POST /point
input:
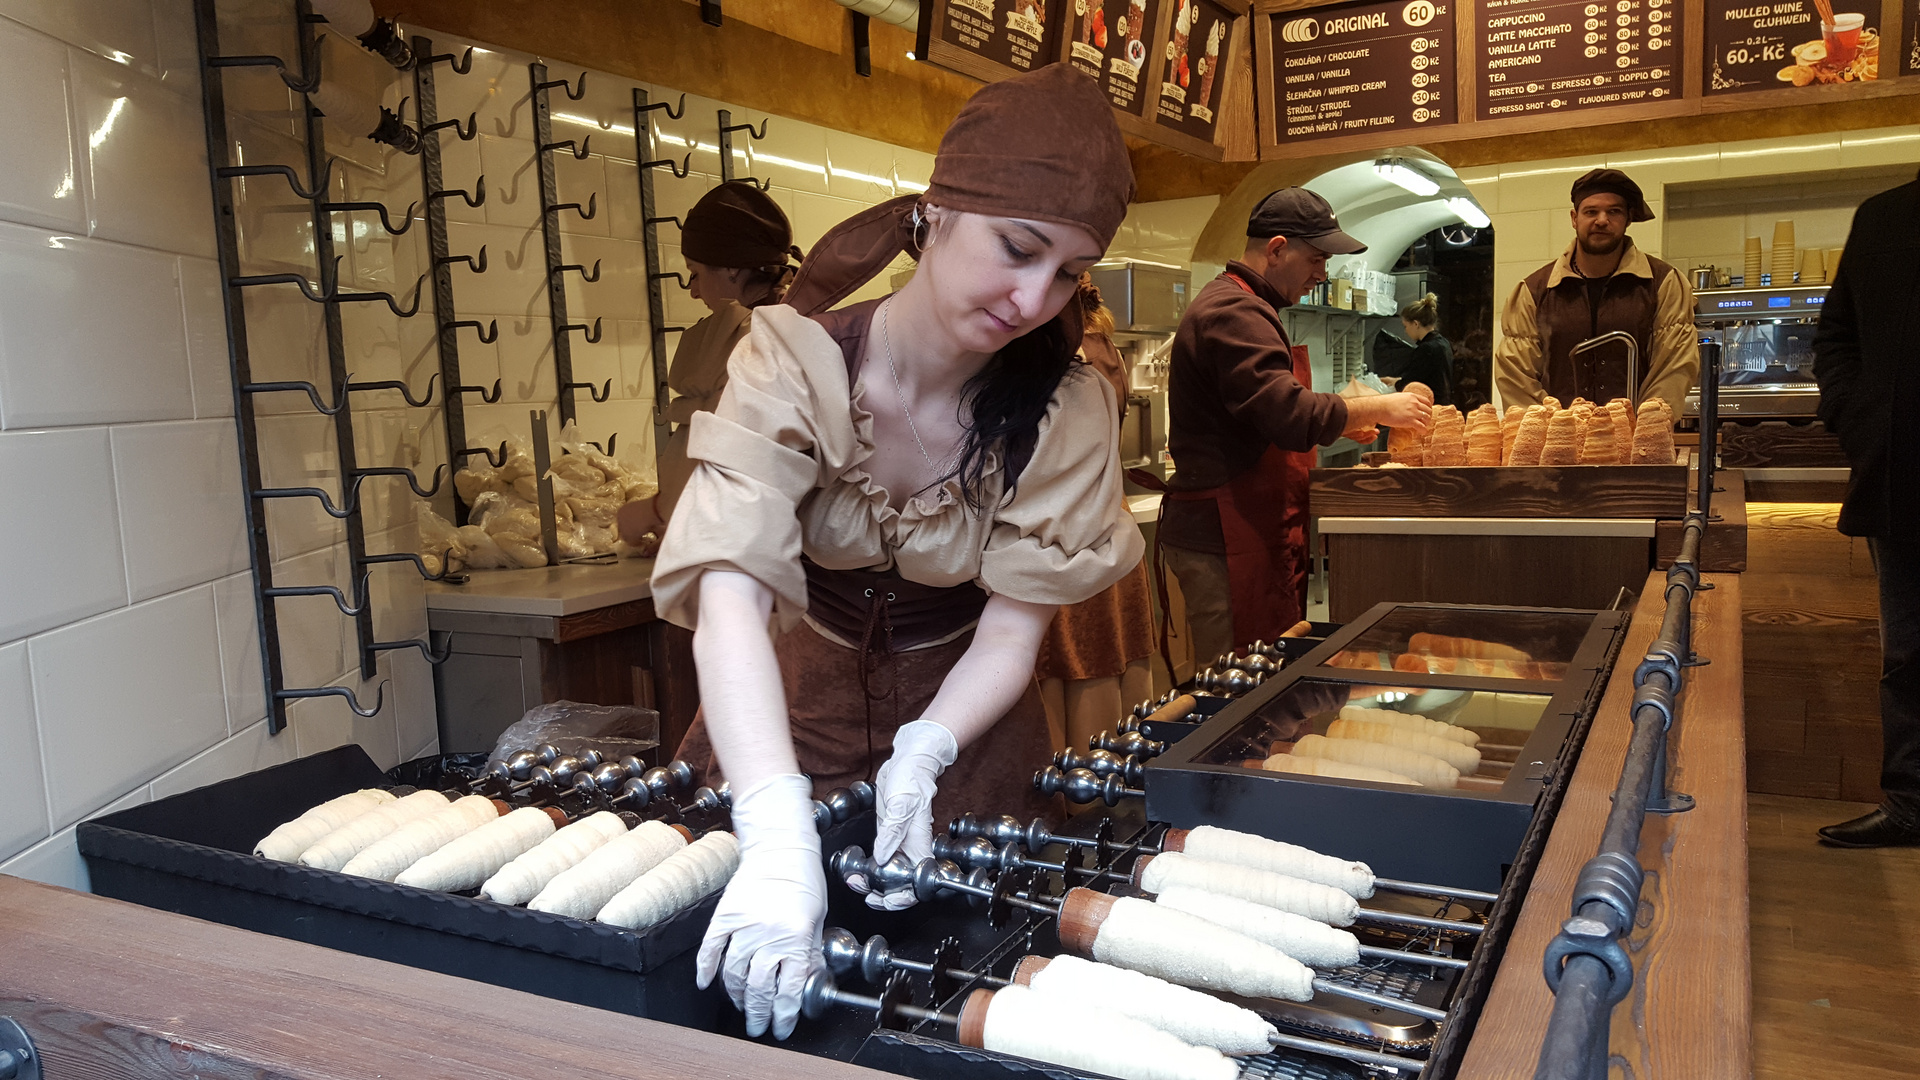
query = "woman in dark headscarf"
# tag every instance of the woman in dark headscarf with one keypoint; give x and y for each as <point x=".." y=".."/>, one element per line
<point x="737" y="242"/>
<point x="906" y="489"/>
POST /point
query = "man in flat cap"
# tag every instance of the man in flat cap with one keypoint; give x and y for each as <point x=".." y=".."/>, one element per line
<point x="1602" y="283"/>
<point x="1243" y="425"/>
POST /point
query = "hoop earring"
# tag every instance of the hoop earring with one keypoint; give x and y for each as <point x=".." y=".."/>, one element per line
<point x="922" y="228"/>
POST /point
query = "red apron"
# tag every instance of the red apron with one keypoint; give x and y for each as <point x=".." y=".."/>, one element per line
<point x="1263" y="519"/>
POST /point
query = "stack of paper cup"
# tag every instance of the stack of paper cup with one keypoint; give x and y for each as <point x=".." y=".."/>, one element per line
<point x="1813" y="267"/>
<point x="1753" y="262"/>
<point x="1833" y="262"/>
<point x="1783" y="258"/>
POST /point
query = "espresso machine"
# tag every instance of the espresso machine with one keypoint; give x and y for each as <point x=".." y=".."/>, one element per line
<point x="1766" y="349"/>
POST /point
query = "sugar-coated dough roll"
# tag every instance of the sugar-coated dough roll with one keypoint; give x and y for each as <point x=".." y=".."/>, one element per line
<point x="1531" y="439"/>
<point x="1459" y="755"/>
<point x="1309" y="898"/>
<point x="1447" y="439"/>
<point x="1429" y="770"/>
<point x="522" y="879"/>
<point x="1085" y="1037"/>
<point x="682" y="880"/>
<point x="1622" y="413"/>
<point x="1411" y="722"/>
<point x="1310" y="766"/>
<point x="1309" y="941"/>
<point x="285" y="843"/>
<point x="1563" y="439"/>
<point x="1191" y="951"/>
<point x="1483" y="437"/>
<point x="1406" y="446"/>
<point x="332" y="851"/>
<point x="472" y="859"/>
<point x="1245" y="849"/>
<point x="1185" y="1013"/>
<point x="385" y="858"/>
<point x="580" y="892"/>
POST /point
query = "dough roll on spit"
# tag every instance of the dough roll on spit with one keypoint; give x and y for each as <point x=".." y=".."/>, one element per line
<point x="423" y="836"/>
<point x="1309" y="941"/>
<point x="285" y="843"/>
<point x="335" y="849"/>
<point x="1410" y="722"/>
<point x="1462" y="757"/>
<point x="580" y="892"/>
<point x="682" y="880"/>
<point x="1531" y="438"/>
<point x="1245" y="849"/>
<point x="522" y="879"/>
<point x="1158" y="873"/>
<point x="1430" y="771"/>
<point x="477" y="856"/>
<point x="1021" y="1021"/>
<point x="1184" y="1013"/>
<point x="1307" y="766"/>
<point x="1563" y="439"/>
<point x="1143" y="936"/>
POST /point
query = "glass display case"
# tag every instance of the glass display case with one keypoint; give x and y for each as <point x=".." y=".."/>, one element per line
<point x="1420" y="738"/>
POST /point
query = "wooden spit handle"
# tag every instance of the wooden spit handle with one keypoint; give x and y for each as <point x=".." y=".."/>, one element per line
<point x="1299" y="629"/>
<point x="500" y="808"/>
<point x="558" y="815"/>
<point x="1028" y="967"/>
<point x="683" y="831"/>
<point x="973" y="1019"/>
<point x="1174" y="710"/>
<point x="1140" y="868"/>
<point x="1175" y="840"/>
<point x="1081" y="914"/>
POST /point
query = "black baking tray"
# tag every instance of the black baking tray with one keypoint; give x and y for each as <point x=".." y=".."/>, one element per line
<point x="191" y="854"/>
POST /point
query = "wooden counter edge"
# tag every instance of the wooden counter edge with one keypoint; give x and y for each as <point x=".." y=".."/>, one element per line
<point x="1690" y="1013"/>
<point x="108" y="989"/>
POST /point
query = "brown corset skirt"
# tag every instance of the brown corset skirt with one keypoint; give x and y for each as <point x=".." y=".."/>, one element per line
<point x="829" y="712"/>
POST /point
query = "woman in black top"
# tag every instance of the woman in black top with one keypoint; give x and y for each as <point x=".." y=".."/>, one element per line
<point x="1431" y="358"/>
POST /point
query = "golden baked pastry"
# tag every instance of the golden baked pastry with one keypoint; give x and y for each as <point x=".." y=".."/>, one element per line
<point x="1420" y="390"/>
<point x="1599" y="446"/>
<point x="1551" y="402"/>
<point x="1509" y="428"/>
<point x="1531" y="437"/>
<point x="1406" y="446"/>
<point x="1483" y="437"/>
<point x="1622" y="411"/>
<point x="1447" y="443"/>
<point x="1653" y="434"/>
<point x="1563" y="439"/>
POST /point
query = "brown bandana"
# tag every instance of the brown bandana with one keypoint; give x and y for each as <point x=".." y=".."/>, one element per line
<point x="1042" y="146"/>
<point x="737" y="225"/>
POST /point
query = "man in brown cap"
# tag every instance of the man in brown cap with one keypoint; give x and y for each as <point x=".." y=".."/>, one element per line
<point x="1243" y="427"/>
<point x="1601" y="284"/>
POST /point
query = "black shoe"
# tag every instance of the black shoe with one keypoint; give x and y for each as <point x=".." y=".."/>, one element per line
<point x="1875" y="830"/>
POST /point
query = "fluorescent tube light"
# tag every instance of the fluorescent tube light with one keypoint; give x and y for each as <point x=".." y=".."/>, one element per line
<point x="1412" y="179"/>
<point x="1469" y="211"/>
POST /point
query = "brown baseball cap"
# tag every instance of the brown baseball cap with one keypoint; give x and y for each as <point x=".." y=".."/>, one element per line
<point x="1613" y="182"/>
<point x="1299" y="214"/>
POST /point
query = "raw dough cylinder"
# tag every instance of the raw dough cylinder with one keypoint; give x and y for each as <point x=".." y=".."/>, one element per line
<point x="682" y="880"/>
<point x="1429" y="770"/>
<point x="1245" y="849"/>
<point x="1309" y="941"/>
<point x="285" y="843"/>
<point x="477" y="856"/>
<point x="334" y="850"/>
<point x="1309" y="766"/>
<point x="1459" y="755"/>
<point x="1185" y="1013"/>
<point x="581" y="892"/>
<point x="1325" y="903"/>
<point x="1410" y="722"/>
<point x="421" y="837"/>
<point x="522" y="879"/>
<point x="1132" y="933"/>
<point x="1026" y="1023"/>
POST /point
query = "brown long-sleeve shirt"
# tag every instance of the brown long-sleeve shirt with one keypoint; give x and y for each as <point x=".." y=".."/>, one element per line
<point x="1231" y="394"/>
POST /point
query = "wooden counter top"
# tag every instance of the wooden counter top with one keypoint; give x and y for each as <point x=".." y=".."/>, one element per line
<point x="550" y="591"/>
<point x="1690" y="1013"/>
<point x="109" y="990"/>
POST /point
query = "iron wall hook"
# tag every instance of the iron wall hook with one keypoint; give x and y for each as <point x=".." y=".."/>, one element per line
<point x="460" y="67"/>
<point x="312" y="392"/>
<point x="669" y="219"/>
<point x="387" y="298"/>
<point x="572" y="94"/>
<point x="674" y="112"/>
<point x="612" y="440"/>
<point x="487" y="337"/>
<point x="297" y="280"/>
<point x="679" y="172"/>
<point x="425" y="649"/>
<point x="484" y="396"/>
<point x="310" y="59"/>
<point x="404" y="556"/>
<point x="600" y="395"/>
<point x="592" y="335"/>
<point x="439" y="476"/>
<point x="494" y="458"/>
<point x="466" y="134"/>
<point x="585" y="275"/>
<point x="405" y="392"/>
<point x="579" y="150"/>
<point x="350" y="501"/>
<point x="477" y="265"/>
<point x="381" y="208"/>
<point x="593" y="207"/>
<point x="675" y="275"/>
<point x="379" y="700"/>
<point x="475" y="200"/>
<point x="360" y="594"/>
<point x="293" y="178"/>
<point x="748" y="128"/>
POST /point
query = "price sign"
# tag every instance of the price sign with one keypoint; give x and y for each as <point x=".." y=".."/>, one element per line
<point x="1112" y="42"/>
<point x="992" y="39"/>
<point x="1351" y="69"/>
<point x="1190" y="67"/>
<point x="1547" y="56"/>
<point x="1766" y="46"/>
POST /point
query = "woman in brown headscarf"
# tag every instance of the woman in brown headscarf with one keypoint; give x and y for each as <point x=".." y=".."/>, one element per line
<point x="905" y="490"/>
<point x="736" y="241"/>
<point x="1095" y="656"/>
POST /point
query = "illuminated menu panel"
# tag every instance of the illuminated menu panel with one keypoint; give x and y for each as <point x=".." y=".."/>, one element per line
<point x="1547" y="56"/>
<point x="1111" y="42"/>
<point x="1189" y="70"/>
<point x="1351" y="69"/>
<point x="1784" y="43"/>
<point x="1009" y="36"/>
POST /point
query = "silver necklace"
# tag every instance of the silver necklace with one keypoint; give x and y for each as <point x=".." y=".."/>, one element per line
<point x="886" y="342"/>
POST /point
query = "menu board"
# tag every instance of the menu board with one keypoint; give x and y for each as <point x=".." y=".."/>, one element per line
<point x="1910" y="56"/>
<point x="992" y="39"/>
<point x="1544" y="56"/>
<point x="1189" y="68"/>
<point x="1111" y="41"/>
<point x="1357" y="68"/>
<point x="1755" y="46"/>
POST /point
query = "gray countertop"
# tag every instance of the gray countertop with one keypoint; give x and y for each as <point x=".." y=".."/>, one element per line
<point x="548" y="590"/>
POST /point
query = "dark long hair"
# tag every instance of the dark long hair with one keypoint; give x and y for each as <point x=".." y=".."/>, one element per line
<point x="1004" y="403"/>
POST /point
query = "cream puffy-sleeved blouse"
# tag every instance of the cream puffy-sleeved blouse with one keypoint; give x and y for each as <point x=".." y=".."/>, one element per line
<point x="779" y="471"/>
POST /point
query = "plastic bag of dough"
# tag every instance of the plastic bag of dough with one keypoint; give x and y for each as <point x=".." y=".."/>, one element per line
<point x="597" y="513"/>
<point x="519" y="460"/>
<point x="575" y="470"/>
<point x="483" y="552"/>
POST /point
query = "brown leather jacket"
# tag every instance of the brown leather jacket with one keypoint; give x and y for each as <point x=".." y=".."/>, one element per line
<point x="1551" y="311"/>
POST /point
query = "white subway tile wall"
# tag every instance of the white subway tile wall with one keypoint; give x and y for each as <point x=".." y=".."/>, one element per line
<point x="129" y="657"/>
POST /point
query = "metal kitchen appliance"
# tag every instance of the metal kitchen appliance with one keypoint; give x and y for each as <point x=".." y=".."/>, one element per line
<point x="1766" y="340"/>
<point x="1147" y="300"/>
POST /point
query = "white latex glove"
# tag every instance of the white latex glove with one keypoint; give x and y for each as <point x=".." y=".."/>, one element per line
<point x="903" y="801"/>
<point x="764" y="939"/>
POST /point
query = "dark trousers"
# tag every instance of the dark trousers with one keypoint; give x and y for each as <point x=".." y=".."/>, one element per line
<point x="1898" y="565"/>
